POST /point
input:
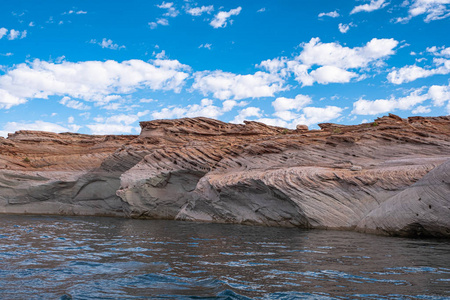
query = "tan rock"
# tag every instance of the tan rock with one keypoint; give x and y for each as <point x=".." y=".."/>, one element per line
<point x="343" y="177"/>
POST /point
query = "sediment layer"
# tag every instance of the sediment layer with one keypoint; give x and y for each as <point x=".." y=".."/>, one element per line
<point x="390" y="177"/>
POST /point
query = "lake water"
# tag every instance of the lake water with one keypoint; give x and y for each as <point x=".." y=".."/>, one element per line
<point x="45" y="257"/>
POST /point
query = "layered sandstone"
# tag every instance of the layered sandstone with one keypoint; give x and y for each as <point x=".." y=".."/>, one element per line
<point x="389" y="177"/>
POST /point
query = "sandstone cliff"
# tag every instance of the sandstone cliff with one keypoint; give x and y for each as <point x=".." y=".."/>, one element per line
<point x="388" y="177"/>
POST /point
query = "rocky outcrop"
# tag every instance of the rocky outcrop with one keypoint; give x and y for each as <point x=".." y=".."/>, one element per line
<point x="387" y="177"/>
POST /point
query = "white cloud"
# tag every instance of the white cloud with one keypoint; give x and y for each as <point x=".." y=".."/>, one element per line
<point x="89" y="80"/>
<point x="107" y="43"/>
<point x="117" y="124"/>
<point x="411" y="73"/>
<point x="198" y="11"/>
<point x="7" y="100"/>
<point x="314" y="115"/>
<point x="160" y="21"/>
<point x="332" y="54"/>
<point x="80" y="12"/>
<point x="343" y="28"/>
<point x="367" y="107"/>
<point x="220" y="19"/>
<point x="160" y="55"/>
<point x="70" y="119"/>
<point x="373" y="5"/>
<point x="31" y="24"/>
<point x="331" y="14"/>
<point x="204" y="109"/>
<point x="147" y="100"/>
<point x="171" y="10"/>
<point x="103" y="129"/>
<point x="283" y="104"/>
<point x="246" y="113"/>
<point x="329" y="74"/>
<point x="291" y="112"/>
<point x="433" y="9"/>
<point x="439" y="51"/>
<point x="333" y="60"/>
<point x="263" y="9"/>
<point x="421" y="110"/>
<point x="11" y="127"/>
<point x="3" y="32"/>
<point x="206" y="46"/>
<point x="224" y="85"/>
<point x="439" y="94"/>
<point x="73" y="104"/>
<point x="13" y="34"/>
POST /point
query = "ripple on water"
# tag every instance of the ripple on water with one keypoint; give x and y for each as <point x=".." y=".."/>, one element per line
<point x="91" y="258"/>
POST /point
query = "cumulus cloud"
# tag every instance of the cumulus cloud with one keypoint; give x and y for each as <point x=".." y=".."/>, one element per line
<point x="439" y="51"/>
<point x="221" y="19"/>
<point x="89" y="80"/>
<point x="297" y="103"/>
<point x="332" y="54"/>
<point x="161" y="21"/>
<point x="343" y="28"/>
<point x="315" y="115"/>
<point x="107" y="43"/>
<point x="12" y="127"/>
<point x="331" y="14"/>
<point x="206" y="108"/>
<point x="66" y="101"/>
<point x="329" y="74"/>
<point x="411" y="73"/>
<point x="421" y="110"/>
<point x="247" y="113"/>
<point x="116" y="124"/>
<point x="308" y="116"/>
<point x="439" y="95"/>
<point x="3" y="32"/>
<point x="368" y="7"/>
<point x="7" y="100"/>
<point x="13" y="34"/>
<point x="171" y="11"/>
<point x="432" y="9"/>
<point x="198" y="11"/>
<point x="291" y="112"/>
<point x="224" y="85"/>
<point x="333" y="61"/>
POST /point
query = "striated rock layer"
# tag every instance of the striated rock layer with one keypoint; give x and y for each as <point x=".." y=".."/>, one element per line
<point x="391" y="176"/>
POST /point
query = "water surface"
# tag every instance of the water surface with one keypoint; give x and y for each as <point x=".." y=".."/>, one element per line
<point x="108" y="258"/>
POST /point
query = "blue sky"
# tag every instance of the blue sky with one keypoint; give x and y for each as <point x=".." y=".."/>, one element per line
<point x="100" y="67"/>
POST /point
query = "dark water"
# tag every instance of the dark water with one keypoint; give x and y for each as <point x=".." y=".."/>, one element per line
<point x="107" y="258"/>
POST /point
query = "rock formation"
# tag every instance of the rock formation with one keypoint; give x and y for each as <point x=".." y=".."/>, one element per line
<point x="391" y="176"/>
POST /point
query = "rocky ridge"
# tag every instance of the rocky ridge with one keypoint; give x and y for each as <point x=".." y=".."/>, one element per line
<point x="386" y="177"/>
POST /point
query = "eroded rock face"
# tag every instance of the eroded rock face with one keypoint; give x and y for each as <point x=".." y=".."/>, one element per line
<point x="388" y="177"/>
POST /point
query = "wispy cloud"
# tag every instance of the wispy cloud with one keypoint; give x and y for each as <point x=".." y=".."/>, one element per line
<point x="107" y="43"/>
<point x="368" y="7"/>
<point x="198" y="11"/>
<point x="221" y="19"/>
<point x="331" y="14"/>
